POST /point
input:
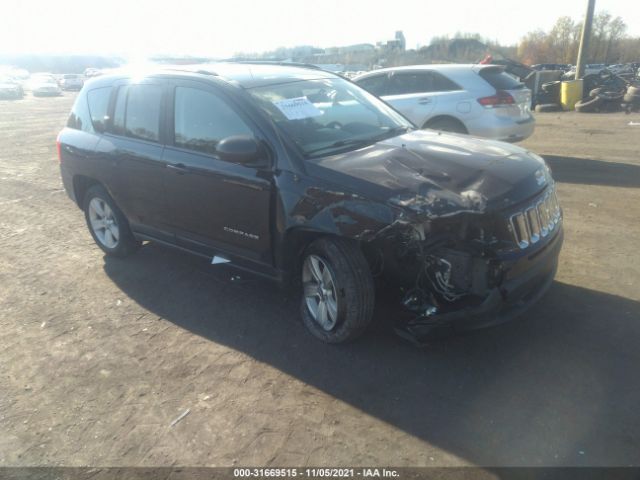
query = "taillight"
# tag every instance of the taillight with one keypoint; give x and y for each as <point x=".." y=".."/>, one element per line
<point x="59" y="148"/>
<point x="501" y="98"/>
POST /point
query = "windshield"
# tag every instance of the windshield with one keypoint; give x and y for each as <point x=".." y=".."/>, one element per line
<point x="329" y="115"/>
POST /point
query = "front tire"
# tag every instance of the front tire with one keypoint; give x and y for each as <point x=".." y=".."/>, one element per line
<point x="107" y="224"/>
<point x="337" y="290"/>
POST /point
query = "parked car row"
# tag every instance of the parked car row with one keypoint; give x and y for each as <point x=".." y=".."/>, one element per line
<point x="591" y="68"/>
<point x="39" y="84"/>
<point x="627" y="70"/>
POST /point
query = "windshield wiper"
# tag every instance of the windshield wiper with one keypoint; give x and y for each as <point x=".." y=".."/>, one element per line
<point x="392" y="132"/>
<point x="343" y="143"/>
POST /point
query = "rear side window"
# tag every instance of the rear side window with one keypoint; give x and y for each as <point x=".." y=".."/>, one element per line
<point x="410" y="82"/>
<point x="137" y="112"/>
<point x="443" y="84"/>
<point x="500" y="80"/>
<point x="420" y="82"/>
<point x="202" y="119"/>
<point x="98" y="100"/>
<point x="376" y="84"/>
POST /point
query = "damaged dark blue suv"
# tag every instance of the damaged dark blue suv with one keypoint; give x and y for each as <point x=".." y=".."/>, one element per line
<point x="301" y="176"/>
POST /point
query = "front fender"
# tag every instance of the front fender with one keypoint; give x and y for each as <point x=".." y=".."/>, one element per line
<point x="307" y="210"/>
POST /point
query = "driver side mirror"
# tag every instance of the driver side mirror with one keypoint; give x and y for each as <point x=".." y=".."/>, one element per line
<point x="244" y="150"/>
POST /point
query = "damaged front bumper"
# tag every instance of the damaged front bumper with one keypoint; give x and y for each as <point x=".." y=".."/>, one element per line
<point x="525" y="281"/>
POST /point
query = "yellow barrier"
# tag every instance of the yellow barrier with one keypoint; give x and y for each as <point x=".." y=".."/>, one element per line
<point x="570" y="93"/>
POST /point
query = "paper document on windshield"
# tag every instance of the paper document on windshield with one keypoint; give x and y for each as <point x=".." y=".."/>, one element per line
<point x="297" y="108"/>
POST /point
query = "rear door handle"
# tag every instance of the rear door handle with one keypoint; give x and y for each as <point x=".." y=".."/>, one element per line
<point x="424" y="100"/>
<point x="179" y="168"/>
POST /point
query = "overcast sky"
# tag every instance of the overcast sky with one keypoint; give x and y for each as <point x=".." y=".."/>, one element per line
<point x="221" y="28"/>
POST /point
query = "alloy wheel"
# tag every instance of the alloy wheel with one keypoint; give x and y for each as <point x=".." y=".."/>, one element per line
<point x="319" y="289"/>
<point x="103" y="223"/>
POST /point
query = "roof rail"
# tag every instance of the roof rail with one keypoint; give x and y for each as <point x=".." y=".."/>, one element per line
<point x="275" y="62"/>
<point x="186" y="68"/>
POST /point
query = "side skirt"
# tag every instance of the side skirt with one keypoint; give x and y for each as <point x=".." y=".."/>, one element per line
<point x="264" y="271"/>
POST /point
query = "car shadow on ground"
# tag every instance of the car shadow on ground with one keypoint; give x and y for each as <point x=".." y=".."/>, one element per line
<point x="555" y="387"/>
<point x="593" y="172"/>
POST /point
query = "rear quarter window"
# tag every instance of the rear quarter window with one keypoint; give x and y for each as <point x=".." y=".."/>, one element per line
<point x="80" y="119"/>
<point x="98" y="101"/>
<point x="500" y="80"/>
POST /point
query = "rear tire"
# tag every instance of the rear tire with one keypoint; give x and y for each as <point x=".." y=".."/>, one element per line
<point x="446" y="125"/>
<point x="591" y="105"/>
<point x="334" y="271"/>
<point x="107" y="224"/>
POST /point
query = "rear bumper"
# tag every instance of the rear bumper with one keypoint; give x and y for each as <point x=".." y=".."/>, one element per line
<point x="505" y="129"/>
<point x="67" y="182"/>
<point x="526" y="280"/>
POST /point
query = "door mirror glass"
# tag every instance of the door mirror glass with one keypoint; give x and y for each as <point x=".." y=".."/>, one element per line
<point x="242" y="149"/>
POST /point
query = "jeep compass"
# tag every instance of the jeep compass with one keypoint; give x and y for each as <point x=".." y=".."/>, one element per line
<point x="301" y="176"/>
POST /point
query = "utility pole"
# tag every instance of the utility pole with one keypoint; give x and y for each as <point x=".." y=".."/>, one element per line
<point x="584" y="40"/>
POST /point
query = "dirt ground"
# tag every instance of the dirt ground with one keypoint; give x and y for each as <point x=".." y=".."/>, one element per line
<point x="99" y="356"/>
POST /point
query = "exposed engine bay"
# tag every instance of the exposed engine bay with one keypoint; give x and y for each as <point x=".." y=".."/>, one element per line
<point x="444" y="269"/>
<point x="435" y="271"/>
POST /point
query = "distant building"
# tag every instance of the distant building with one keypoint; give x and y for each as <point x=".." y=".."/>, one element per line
<point x="358" y="48"/>
<point x="401" y="40"/>
<point x="399" y="43"/>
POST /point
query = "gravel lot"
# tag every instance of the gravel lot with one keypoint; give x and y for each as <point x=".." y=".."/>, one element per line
<point x="99" y="356"/>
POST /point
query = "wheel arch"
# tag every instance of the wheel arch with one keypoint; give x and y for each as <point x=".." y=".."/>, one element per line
<point x="448" y="117"/>
<point x="82" y="183"/>
<point x="295" y="242"/>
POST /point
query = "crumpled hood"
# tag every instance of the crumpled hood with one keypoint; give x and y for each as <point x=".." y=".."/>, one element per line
<point x="440" y="174"/>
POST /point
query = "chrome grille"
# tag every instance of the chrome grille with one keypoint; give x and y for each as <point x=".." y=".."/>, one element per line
<point x="537" y="220"/>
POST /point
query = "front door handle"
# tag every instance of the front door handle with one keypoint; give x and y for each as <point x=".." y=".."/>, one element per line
<point x="179" y="168"/>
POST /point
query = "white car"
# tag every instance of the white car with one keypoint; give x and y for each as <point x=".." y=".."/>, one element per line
<point x="71" y="81"/>
<point x="44" y="84"/>
<point x="481" y="100"/>
<point x="10" y="88"/>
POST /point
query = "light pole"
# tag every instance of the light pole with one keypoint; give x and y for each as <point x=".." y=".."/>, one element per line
<point x="584" y="40"/>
